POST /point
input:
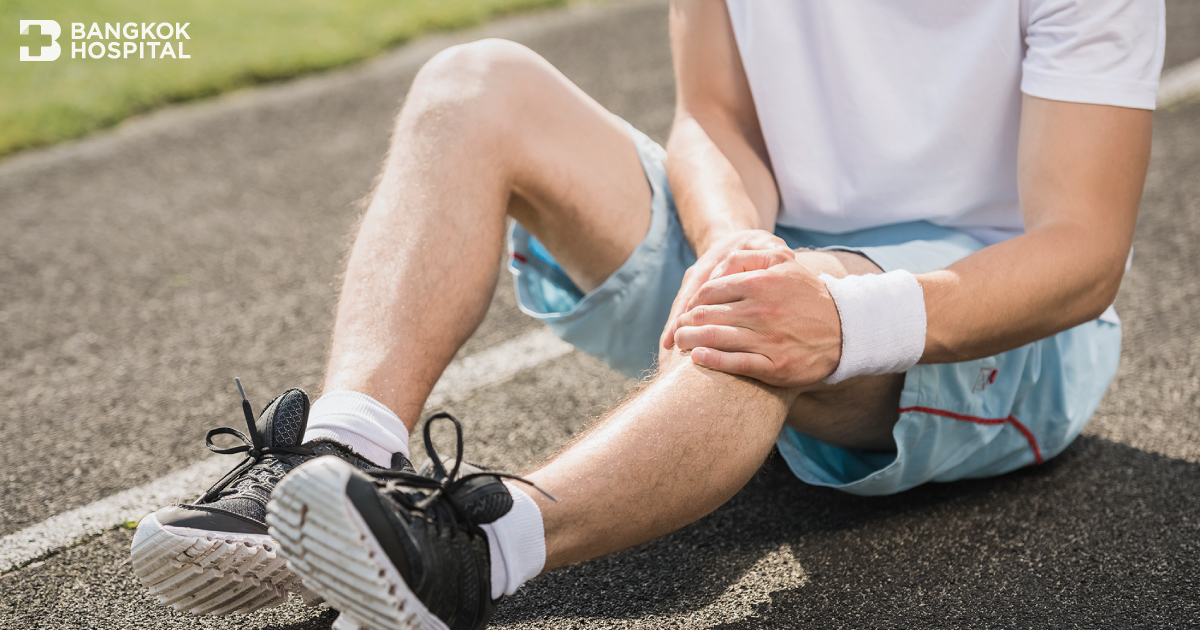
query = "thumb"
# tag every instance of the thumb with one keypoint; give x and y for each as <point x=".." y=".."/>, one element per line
<point x="752" y="260"/>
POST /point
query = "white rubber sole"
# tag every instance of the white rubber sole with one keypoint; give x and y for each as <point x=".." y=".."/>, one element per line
<point x="211" y="573"/>
<point x="327" y="543"/>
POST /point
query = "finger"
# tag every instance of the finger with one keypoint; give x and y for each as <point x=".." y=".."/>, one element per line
<point x="693" y="279"/>
<point x="668" y="333"/>
<point x="740" y="363"/>
<point x="727" y="338"/>
<point x="733" y="288"/>
<point x="715" y="314"/>
<point x="682" y="297"/>
<point x="751" y="260"/>
<point x="677" y="309"/>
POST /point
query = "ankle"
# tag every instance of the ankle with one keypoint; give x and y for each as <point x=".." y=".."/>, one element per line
<point x="516" y="544"/>
<point x="360" y="422"/>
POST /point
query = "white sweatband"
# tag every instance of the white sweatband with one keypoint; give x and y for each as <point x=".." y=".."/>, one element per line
<point x="883" y="323"/>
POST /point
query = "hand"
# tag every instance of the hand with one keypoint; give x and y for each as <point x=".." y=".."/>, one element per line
<point x="702" y="271"/>
<point x="766" y="316"/>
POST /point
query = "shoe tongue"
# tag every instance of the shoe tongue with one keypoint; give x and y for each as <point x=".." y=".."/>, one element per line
<point x="483" y="499"/>
<point x="283" y="422"/>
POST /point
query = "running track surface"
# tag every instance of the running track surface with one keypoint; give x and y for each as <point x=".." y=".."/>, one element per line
<point x="142" y="268"/>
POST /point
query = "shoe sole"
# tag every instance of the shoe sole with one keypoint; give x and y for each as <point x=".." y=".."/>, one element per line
<point x="327" y="542"/>
<point x="212" y="573"/>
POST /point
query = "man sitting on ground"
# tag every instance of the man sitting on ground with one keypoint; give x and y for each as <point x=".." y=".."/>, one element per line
<point x="885" y="236"/>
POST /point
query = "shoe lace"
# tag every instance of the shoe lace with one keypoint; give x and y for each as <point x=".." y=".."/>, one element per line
<point x="422" y="493"/>
<point x="257" y="455"/>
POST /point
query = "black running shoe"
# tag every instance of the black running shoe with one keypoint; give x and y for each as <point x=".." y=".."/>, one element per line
<point x="215" y="556"/>
<point x="393" y="550"/>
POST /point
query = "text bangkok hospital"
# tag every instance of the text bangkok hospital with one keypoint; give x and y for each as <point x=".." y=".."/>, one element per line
<point x="145" y="40"/>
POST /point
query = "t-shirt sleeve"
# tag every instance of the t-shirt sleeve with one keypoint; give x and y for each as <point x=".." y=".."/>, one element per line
<point x="1106" y="52"/>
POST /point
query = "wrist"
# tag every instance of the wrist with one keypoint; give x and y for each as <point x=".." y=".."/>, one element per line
<point x="883" y="323"/>
<point x="712" y="237"/>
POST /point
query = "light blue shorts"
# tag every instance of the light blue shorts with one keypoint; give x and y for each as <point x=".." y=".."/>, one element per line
<point x="957" y="420"/>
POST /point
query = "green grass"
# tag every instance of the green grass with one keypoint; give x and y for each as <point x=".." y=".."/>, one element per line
<point x="233" y="43"/>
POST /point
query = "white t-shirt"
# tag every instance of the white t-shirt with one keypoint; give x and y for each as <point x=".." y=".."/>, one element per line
<point x="887" y="111"/>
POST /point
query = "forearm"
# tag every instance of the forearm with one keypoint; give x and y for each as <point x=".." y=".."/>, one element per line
<point x="1021" y="290"/>
<point x="1081" y="169"/>
<point x="717" y="160"/>
<point x="720" y="184"/>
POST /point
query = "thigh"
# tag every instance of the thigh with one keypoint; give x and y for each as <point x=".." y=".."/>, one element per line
<point x="857" y="413"/>
<point x="578" y="185"/>
<point x="620" y="320"/>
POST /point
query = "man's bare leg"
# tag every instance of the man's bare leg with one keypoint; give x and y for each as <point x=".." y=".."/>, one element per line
<point x="489" y="129"/>
<point x="466" y="152"/>
<point x="691" y="440"/>
<point x="677" y="451"/>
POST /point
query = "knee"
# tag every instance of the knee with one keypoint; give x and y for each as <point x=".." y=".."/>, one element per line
<point x="473" y="87"/>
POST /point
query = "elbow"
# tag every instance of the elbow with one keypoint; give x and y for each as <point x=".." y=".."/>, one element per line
<point x="1103" y="291"/>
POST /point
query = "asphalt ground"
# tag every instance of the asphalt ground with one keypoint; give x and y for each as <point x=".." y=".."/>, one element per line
<point x="142" y="268"/>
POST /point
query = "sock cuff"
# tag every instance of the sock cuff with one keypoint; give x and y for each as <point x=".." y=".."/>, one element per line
<point x="361" y="422"/>
<point x="516" y="544"/>
<point x="526" y="518"/>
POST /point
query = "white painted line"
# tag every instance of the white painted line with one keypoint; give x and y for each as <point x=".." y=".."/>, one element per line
<point x="497" y="363"/>
<point x="68" y="528"/>
<point x="1179" y="84"/>
<point x="491" y="366"/>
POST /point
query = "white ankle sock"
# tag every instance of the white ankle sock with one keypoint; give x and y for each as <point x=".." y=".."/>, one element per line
<point x="516" y="544"/>
<point x="360" y="422"/>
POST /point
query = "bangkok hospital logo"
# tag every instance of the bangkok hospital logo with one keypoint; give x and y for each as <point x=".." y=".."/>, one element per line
<point x="144" y="40"/>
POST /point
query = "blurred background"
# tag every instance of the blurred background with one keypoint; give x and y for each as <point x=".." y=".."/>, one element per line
<point x="233" y="43"/>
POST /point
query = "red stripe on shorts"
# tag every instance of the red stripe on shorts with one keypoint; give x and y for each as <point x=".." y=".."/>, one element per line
<point x="1037" y="452"/>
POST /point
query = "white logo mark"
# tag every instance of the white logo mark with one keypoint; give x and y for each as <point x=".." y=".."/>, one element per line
<point x="46" y="53"/>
